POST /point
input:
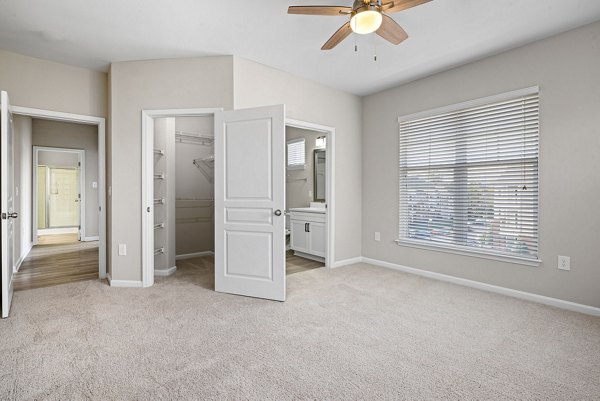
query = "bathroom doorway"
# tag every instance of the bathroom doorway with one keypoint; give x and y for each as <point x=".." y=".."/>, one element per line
<point x="306" y="206"/>
<point x="58" y="196"/>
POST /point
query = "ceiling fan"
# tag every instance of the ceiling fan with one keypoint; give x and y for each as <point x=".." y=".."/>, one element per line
<point x="366" y="16"/>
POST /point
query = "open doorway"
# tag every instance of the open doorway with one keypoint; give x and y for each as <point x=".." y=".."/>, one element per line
<point x="305" y="200"/>
<point x="58" y="195"/>
<point x="62" y="231"/>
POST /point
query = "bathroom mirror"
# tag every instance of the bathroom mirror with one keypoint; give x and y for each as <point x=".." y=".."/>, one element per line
<point x="320" y="176"/>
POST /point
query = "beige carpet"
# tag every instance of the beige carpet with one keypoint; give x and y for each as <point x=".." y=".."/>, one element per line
<point x="356" y="332"/>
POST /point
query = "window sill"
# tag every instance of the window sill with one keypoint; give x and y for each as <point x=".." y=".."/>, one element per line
<point x="469" y="252"/>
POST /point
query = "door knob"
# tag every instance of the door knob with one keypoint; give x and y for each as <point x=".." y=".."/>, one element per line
<point x="277" y="212"/>
<point x="13" y="215"/>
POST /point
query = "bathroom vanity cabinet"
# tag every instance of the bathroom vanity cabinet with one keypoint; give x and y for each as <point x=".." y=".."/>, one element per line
<point x="308" y="228"/>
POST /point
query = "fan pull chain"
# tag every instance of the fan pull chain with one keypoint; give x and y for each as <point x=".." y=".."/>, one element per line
<point x="374" y="53"/>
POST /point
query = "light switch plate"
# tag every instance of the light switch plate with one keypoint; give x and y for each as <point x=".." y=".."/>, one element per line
<point x="377" y="236"/>
<point x="122" y="249"/>
<point x="94" y="184"/>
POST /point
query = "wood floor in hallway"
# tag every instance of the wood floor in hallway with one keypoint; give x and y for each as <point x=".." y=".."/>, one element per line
<point x="52" y="264"/>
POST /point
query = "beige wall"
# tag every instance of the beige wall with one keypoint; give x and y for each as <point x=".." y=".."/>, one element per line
<point x="75" y="136"/>
<point x="297" y="191"/>
<point x="158" y="84"/>
<point x="259" y="85"/>
<point x="566" y="67"/>
<point x="22" y="183"/>
<point x="47" y="85"/>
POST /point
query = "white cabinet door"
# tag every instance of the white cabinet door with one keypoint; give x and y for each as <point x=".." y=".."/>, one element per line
<point x="298" y="236"/>
<point x="7" y="200"/>
<point x="317" y="238"/>
<point x="249" y="200"/>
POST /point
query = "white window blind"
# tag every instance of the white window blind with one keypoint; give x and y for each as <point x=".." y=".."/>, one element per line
<point x="469" y="177"/>
<point x="296" y="157"/>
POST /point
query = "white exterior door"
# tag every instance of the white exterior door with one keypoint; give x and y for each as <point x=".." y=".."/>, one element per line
<point x="249" y="202"/>
<point x="7" y="199"/>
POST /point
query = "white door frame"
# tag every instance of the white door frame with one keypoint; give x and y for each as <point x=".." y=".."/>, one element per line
<point x="101" y="124"/>
<point x="148" y="117"/>
<point x="81" y="158"/>
<point x="330" y="181"/>
<point x="147" y="209"/>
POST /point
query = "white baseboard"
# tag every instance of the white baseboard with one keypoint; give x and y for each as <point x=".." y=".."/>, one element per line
<point x="347" y="262"/>
<point x="558" y="303"/>
<point x="193" y="255"/>
<point x="89" y="239"/>
<point x="309" y="256"/>
<point x="165" y="272"/>
<point x="123" y="283"/>
<point x="52" y="231"/>
<point x="22" y="258"/>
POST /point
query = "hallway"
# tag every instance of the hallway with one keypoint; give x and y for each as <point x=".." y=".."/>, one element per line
<point x="58" y="259"/>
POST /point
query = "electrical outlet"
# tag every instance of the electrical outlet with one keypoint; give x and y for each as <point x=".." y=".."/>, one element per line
<point x="122" y="249"/>
<point x="564" y="262"/>
<point x="94" y="184"/>
<point x="377" y="236"/>
<point x="310" y="194"/>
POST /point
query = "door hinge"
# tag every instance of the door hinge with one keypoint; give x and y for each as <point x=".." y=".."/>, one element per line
<point x="4" y="216"/>
<point x="79" y="164"/>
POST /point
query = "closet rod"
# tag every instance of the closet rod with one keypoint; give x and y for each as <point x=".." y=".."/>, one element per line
<point x="159" y="152"/>
<point x="159" y="201"/>
<point x="194" y="135"/>
<point x="159" y="250"/>
<point x="297" y="179"/>
<point x="159" y="176"/>
<point x="159" y="225"/>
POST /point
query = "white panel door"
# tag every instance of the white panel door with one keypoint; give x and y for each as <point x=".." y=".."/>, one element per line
<point x="7" y="199"/>
<point x="249" y="200"/>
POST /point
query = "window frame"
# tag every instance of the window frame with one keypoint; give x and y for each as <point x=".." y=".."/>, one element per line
<point x="287" y="154"/>
<point x="463" y="249"/>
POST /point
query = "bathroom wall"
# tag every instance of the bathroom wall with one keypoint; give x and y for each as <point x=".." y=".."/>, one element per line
<point x="299" y="192"/>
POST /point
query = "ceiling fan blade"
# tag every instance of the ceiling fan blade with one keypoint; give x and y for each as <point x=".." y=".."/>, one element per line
<point x="391" y="31"/>
<point x="338" y="36"/>
<point x="401" y="5"/>
<point x="319" y="10"/>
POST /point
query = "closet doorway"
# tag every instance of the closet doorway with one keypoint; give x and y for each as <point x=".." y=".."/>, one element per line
<point x="178" y="164"/>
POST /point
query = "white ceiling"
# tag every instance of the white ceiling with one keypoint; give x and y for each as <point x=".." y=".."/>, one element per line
<point x="443" y="34"/>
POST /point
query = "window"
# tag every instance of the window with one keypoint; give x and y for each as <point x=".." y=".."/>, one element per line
<point x="469" y="177"/>
<point x="296" y="158"/>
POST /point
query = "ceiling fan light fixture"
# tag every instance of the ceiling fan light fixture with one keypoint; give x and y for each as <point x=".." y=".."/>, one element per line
<point x="366" y="21"/>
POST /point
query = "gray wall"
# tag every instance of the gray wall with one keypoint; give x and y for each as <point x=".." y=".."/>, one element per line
<point x="57" y="159"/>
<point x="22" y="182"/>
<point x="43" y="84"/>
<point x="134" y="86"/>
<point x="297" y="191"/>
<point x="259" y="85"/>
<point x="566" y="67"/>
<point x="75" y="136"/>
